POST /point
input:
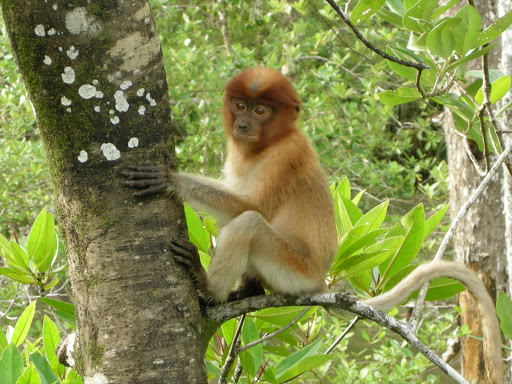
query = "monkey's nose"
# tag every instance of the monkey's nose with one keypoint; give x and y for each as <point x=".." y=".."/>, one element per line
<point x="243" y="126"/>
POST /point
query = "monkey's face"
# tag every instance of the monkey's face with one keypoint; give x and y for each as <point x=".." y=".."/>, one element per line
<point x="249" y="118"/>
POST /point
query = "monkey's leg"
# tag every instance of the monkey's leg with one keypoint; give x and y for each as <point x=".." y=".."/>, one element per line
<point x="249" y="244"/>
<point x="249" y="287"/>
<point x="150" y="179"/>
<point x="186" y="254"/>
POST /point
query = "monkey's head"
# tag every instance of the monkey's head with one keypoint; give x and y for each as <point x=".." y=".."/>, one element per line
<point x="260" y="107"/>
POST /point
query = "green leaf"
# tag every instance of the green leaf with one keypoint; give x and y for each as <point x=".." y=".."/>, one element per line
<point x="283" y="315"/>
<point x="473" y="55"/>
<point x="343" y="188"/>
<point x="251" y="359"/>
<point x="499" y="89"/>
<point x="63" y="310"/>
<point x="441" y="289"/>
<point x="42" y="241"/>
<point x="441" y="40"/>
<point x="417" y="16"/>
<point x="11" y="365"/>
<point x="433" y="221"/>
<point x="364" y="9"/>
<point x="19" y="256"/>
<point x="300" y="361"/>
<point x="504" y="310"/>
<point x="467" y="31"/>
<point x="495" y="29"/>
<point x="51" y="338"/>
<point x="43" y="368"/>
<point x="390" y="17"/>
<point x="3" y="340"/>
<point x="29" y="376"/>
<point x="346" y="213"/>
<point x="372" y="256"/>
<point x="439" y="11"/>
<point x="399" y="96"/>
<point x="23" y="278"/>
<point x="23" y="324"/>
<point x="413" y="223"/>
<point x="197" y="234"/>
<point x="374" y="217"/>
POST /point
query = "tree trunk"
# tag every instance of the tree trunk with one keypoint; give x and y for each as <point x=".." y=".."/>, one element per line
<point x="94" y="73"/>
<point x="479" y="241"/>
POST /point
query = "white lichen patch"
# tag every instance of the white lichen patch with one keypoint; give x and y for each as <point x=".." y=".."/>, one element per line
<point x="133" y="142"/>
<point x="55" y="7"/>
<point x="142" y="110"/>
<point x="39" y="30"/>
<point x="95" y="82"/>
<point x="87" y="91"/>
<point x="121" y="102"/>
<point x="98" y="378"/>
<point x="79" y="21"/>
<point x="152" y="101"/>
<point x="111" y="111"/>
<point x="72" y="52"/>
<point x="143" y="12"/>
<point x="47" y="60"/>
<point x="136" y="51"/>
<point x="97" y="108"/>
<point x="83" y="157"/>
<point x="68" y="110"/>
<point x="140" y="92"/>
<point x="98" y="95"/>
<point x="52" y="32"/>
<point x="69" y="75"/>
<point x="110" y="151"/>
<point x="125" y="85"/>
<point x="70" y="343"/>
<point x="114" y="120"/>
<point x="65" y="101"/>
<point x="158" y="362"/>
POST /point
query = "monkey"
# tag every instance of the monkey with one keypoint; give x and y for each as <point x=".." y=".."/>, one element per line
<point x="275" y="210"/>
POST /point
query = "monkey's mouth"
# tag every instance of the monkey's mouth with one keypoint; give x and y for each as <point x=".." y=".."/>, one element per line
<point x="246" y="137"/>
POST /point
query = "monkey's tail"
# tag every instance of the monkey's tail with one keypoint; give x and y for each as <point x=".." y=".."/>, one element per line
<point x="490" y="325"/>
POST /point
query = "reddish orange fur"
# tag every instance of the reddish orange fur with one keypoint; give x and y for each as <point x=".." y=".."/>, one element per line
<point x="266" y="86"/>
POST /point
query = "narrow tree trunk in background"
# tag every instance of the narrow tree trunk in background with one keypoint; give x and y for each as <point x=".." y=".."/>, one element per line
<point x="479" y="242"/>
<point x="94" y="73"/>
<point x="505" y="6"/>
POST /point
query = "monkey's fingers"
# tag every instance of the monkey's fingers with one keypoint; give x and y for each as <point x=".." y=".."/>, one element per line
<point x="150" y="190"/>
<point x="147" y="168"/>
<point x="145" y="183"/>
<point x="185" y="253"/>
<point x="135" y="175"/>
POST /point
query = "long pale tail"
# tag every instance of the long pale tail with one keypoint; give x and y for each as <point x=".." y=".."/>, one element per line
<point x="490" y="326"/>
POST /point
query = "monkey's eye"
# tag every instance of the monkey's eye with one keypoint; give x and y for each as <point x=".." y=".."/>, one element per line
<point x="259" y="111"/>
<point x="239" y="106"/>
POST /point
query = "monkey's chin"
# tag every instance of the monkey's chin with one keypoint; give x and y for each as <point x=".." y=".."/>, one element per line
<point x="246" y="138"/>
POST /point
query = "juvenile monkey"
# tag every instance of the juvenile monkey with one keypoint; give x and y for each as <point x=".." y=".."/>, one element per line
<point x="275" y="210"/>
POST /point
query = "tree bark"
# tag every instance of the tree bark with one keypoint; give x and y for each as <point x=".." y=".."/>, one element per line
<point x="94" y="73"/>
<point x="479" y="241"/>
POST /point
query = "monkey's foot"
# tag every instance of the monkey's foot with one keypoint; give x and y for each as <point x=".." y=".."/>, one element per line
<point x="250" y="287"/>
<point x="149" y="179"/>
<point x="186" y="254"/>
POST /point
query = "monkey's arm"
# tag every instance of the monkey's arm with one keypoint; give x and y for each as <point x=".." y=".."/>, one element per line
<point x="200" y="192"/>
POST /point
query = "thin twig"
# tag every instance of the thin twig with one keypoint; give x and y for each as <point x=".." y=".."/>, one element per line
<point x="231" y="357"/>
<point x="369" y="45"/>
<point x="342" y="336"/>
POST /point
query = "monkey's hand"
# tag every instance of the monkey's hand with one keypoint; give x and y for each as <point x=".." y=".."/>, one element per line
<point x="187" y="255"/>
<point x="148" y="179"/>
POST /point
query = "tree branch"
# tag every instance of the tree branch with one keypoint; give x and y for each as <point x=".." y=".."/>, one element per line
<point x="345" y="18"/>
<point x="336" y="301"/>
